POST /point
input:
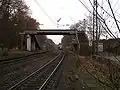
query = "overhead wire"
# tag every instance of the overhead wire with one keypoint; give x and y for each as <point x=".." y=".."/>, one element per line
<point x="111" y="25"/>
<point x="110" y="33"/>
<point x="107" y="16"/>
<point x="115" y="4"/>
<point x="115" y="47"/>
<point x="101" y="18"/>
<point x="44" y="11"/>
<point x="118" y="16"/>
<point x="101" y="9"/>
<point x="85" y="6"/>
<point x="114" y="12"/>
<point x="105" y="29"/>
<point x="107" y="12"/>
<point x="72" y="19"/>
<point x="85" y="3"/>
<point x="74" y="22"/>
<point x="113" y="15"/>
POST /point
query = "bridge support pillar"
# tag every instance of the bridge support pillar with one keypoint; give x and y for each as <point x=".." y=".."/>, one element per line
<point x="33" y="44"/>
<point x="29" y="42"/>
<point x="21" y="42"/>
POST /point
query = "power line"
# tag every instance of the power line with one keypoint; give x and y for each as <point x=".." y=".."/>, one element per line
<point x="72" y="19"/>
<point x="104" y="28"/>
<point x="115" y="4"/>
<point x="107" y="27"/>
<point x="108" y="17"/>
<point x="107" y="12"/>
<point x="85" y="3"/>
<point x="102" y="6"/>
<point x="107" y="31"/>
<point x="112" y="25"/>
<point x="112" y="38"/>
<point x="110" y="33"/>
<point x="44" y="12"/>
<point x="85" y="6"/>
<point x="108" y="9"/>
<point x="113" y="15"/>
<point x="101" y="19"/>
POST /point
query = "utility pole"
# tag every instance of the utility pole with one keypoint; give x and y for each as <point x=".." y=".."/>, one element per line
<point x="95" y="27"/>
<point x="93" y="20"/>
<point x="93" y="42"/>
<point x="96" y="5"/>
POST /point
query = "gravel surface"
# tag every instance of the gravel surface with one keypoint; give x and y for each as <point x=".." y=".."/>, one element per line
<point x="73" y="76"/>
<point x="14" y="72"/>
<point x="68" y="78"/>
<point x="34" y="83"/>
<point x="59" y="81"/>
<point x="16" y="53"/>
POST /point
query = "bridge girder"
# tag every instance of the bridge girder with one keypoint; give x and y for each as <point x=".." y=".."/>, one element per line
<point x="52" y="32"/>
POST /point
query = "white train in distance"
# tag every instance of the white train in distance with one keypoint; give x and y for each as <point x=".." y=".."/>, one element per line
<point x="60" y="46"/>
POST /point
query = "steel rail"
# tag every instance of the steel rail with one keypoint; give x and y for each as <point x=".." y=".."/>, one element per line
<point x="53" y="72"/>
<point x="18" y="58"/>
<point x="23" y="80"/>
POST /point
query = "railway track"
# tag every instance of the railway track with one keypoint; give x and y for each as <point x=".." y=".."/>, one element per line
<point x="15" y="59"/>
<point x="41" y="77"/>
<point x="13" y="72"/>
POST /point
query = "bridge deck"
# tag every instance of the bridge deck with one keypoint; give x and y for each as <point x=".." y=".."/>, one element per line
<point x="52" y="32"/>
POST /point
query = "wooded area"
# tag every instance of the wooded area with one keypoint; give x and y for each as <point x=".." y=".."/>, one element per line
<point x="14" y="18"/>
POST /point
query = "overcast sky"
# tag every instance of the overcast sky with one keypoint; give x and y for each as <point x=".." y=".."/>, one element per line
<point x="67" y="10"/>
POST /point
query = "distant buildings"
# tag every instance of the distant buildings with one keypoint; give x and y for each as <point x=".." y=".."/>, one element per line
<point x="111" y="45"/>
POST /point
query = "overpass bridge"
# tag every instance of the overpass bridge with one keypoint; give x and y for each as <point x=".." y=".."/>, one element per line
<point x="51" y="32"/>
<point x="31" y="36"/>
